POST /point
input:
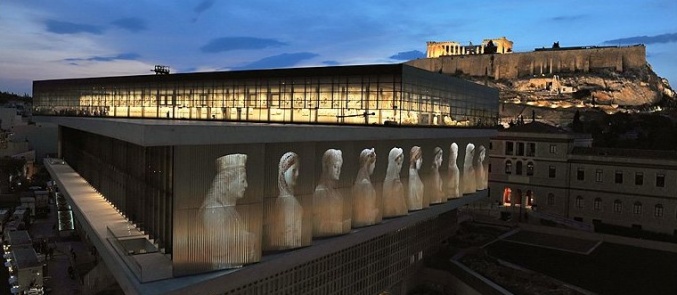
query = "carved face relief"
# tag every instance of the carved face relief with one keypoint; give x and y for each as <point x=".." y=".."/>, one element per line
<point x="399" y="161"/>
<point x="335" y="169"/>
<point x="419" y="162"/>
<point x="238" y="185"/>
<point x="438" y="160"/>
<point x="291" y="174"/>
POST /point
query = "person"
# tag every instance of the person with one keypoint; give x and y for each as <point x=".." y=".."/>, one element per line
<point x="415" y="192"/>
<point x="365" y="208"/>
<point x="436" y="192"/>
<point x="393" y="191"/>
<point x="283" y="229"/>
<point x="454" y="173"/>
<point x="229" y="244"/>
<point x="330" y="215"/>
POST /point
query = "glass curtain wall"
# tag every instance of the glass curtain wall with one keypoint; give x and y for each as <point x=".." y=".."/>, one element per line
<point x="404" y="95"/>
<point x="135" y="179"/>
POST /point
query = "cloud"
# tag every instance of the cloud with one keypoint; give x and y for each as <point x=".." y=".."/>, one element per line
<point x="408" y="55"/>
<point x="132" y="24"/>
<point x="238" y="43"/>
<point x="121" y="56"/>
<point x="664" y="38"/>
<point x="331" y="63"/>
<point x="568" y="18"/>
<point x="203" y="6"/>
<point x="284" y="60"/>
<point x="59" y="27"/>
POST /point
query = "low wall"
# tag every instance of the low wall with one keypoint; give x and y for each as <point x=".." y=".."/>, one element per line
<point x="647" y="244"/>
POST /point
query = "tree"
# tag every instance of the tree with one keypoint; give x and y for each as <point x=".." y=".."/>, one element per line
<point x="555" y="45"/>
<point x="577" y="125"/>
<point x="490" y="48"/>
<point x="10" y="167"/>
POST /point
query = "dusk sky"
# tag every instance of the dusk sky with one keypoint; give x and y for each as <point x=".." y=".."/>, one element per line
<point x="71" y="39"/>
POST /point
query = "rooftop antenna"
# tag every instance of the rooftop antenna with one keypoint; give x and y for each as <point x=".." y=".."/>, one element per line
<point x="161" y="70"/>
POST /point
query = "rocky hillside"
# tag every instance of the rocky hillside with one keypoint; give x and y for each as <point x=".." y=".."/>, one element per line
<point x="636" y="90"/>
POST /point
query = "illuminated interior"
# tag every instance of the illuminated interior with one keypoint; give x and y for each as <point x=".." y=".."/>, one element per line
<point x="509" y="195"/>
<point x="377" y="94"/>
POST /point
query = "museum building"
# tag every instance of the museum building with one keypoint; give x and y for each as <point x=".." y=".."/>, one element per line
<point x="267" y="181"/>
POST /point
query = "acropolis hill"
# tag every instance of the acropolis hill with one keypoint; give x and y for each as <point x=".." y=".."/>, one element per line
<point x="612" y="78"/>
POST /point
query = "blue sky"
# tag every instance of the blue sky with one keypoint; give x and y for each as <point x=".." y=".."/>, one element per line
<point x="69" y="39"/>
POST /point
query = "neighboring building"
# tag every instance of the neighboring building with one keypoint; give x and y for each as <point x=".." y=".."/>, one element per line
<point x="629" y="188"/>
<point x="436" y="49"/>
<point x="23" y="263"/>
<point x="535" y="165"/>
<point x="178" y="180"/>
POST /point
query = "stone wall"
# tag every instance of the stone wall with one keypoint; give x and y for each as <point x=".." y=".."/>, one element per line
<point x="516" y="65"/>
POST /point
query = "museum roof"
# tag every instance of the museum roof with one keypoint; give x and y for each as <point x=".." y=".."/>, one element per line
<point x="374" y="69"/>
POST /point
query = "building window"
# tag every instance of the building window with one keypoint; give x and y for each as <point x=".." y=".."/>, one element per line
<point x="618" y="206"/>
<point x="553" y="148"/>
<point x="508" y="167"/>
<point x="489" y="169"/>
<point x="491" y="145"/>
<point x="639" y="178"/>
<point x="618" y="178"/>
<point x="660" y="180"/>
<point x="597" y="204"/>
<point x="579" y="202"/>
<point x="509" y="147"/>
<point x="658" y="210"/>
<point x="518" y="168"/>
<point x="552" y="172"/>
<point x="598" y="175"/>
<point x="531" y="149"/>
<point x="637" y="208"/>
<point x="530" y="169"/>
<point x="580" y="174"/>
<point x="520" y="149"/>
<point x="551" y="199"/>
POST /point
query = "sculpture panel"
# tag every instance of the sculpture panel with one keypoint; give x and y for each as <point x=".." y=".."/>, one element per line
<point x="479" y="169"/>
<point x="393" y="191"/>
<point x="330" y="216"/>
<point x="284" y="217"/>
<point x="415" y="190"/>
<point x="468" y="183"/>
<point x="453" y="190"/>
<point x="435" y="189"/>
<point x="365" y="207"/>
<point x="229" y="244"/>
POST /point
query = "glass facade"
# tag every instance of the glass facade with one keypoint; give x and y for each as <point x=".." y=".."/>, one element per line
<point x="137" y="180"/>
<point x="372" y="94"/>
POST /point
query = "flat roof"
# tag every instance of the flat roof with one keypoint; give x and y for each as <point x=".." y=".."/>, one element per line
<point x="19" y="237"/>
<point x="374" y="69"/>
<point x="25" y="257"/>
<point x="166" y="132"/>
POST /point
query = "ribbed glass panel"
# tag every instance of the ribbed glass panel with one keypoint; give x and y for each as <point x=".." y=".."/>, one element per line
<point x="218" y="207"/>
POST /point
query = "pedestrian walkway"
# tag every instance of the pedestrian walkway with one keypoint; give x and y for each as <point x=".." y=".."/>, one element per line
<point x="67" y="252"/>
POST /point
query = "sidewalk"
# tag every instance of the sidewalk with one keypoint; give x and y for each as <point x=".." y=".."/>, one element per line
<point x="68" y="252"/>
